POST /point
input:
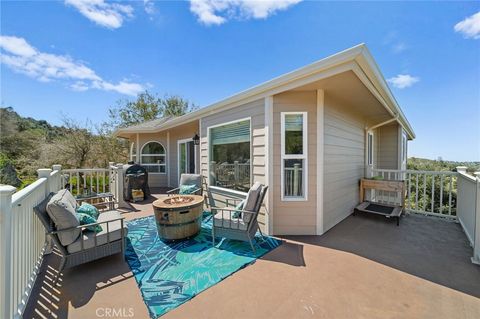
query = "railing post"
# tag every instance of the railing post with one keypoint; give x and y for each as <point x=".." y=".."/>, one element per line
<point x="111" y="181"/>
<point x="45" y="173"/>
<point x="6" y="192"/>
<point x="59" y="179"/>
<point x="476" y="242"/>
<point x="119" y="186"/>
<point x="236" y="171"/>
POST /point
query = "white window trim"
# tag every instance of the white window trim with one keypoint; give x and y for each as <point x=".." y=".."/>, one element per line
<point x="209" y="155"/>
<point x="303" y="156"/>
<point x="165" y="155"/>
<point x="370" y="151"/>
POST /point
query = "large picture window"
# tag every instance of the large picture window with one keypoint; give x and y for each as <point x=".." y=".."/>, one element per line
<point x="153" y="157"/>
<point x="294" y="155"/>
<point x="230" y="155"/>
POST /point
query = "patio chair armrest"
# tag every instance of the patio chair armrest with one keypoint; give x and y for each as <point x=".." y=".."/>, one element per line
<point x="109" y="204"/>
<point x="81" y="227"/>
<point x="232" y="210"/>
<point x="234" y="200"/>
<point x="173" y="191"/>
<point x="176" y="190"/>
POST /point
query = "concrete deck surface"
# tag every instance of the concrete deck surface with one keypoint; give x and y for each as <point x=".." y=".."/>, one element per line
<point x="365" y="267"/>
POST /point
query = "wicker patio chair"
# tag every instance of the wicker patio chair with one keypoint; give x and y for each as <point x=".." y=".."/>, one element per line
<point x="89" y="245"/>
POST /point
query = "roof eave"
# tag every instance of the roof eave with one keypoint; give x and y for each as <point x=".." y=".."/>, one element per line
<point x="359" y="54"/>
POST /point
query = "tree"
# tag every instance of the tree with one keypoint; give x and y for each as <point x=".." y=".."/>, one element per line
<point x="145" y="108"/>
<point x="148" y="107"/>
<point x="174" y="105"/>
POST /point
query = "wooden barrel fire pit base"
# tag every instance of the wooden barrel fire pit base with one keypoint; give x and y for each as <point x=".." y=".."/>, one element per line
<point x="178" y="217"/>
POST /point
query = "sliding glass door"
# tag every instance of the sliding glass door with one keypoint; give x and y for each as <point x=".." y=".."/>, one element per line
<point x="186" y="157"/>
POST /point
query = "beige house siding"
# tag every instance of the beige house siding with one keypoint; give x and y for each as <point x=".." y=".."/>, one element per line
<point x="344" y="160"/>
<point x="387" y="146"/>
<point x="255" y="111"/>
<point x="156" y="179"/>
<point x="182" y="132"/>
<point x="295" y="217"/>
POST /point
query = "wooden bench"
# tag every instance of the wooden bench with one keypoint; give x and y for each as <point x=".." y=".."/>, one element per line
<point x="387" y="210"/>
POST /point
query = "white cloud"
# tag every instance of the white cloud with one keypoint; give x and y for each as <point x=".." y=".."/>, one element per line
<point x="149" y="6"/>
<point x="20" y="56"/>
<point x="469" y="27"/>
<point x="218" y="12"/>
<point x="402" y="81"/>
<point x="109" y="15"/>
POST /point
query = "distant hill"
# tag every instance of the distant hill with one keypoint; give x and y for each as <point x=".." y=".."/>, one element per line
<point x="27" y="144"/>
<point x="423" y="164"/>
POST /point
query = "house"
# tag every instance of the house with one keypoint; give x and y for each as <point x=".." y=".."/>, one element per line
<point x="310" y="135"/>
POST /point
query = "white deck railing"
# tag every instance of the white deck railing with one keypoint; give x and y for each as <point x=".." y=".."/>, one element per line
<point x="22" y="236"/>
<point x="427" y="192"/>
<point x="22" y="240"/>
<point x="453" y="195"/>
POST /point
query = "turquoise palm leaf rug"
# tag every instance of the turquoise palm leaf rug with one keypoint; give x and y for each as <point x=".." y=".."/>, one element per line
<point x="169" y="274"/>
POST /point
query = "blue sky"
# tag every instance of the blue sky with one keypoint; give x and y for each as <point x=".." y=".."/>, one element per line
<point x="78" y="57"/>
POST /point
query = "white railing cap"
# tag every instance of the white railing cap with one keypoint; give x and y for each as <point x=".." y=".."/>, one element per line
<point x="6" y="190"/>
<point x="461" y="169"/>
<point x="44" y="172"/>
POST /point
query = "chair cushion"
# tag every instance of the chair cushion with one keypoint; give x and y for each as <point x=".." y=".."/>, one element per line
<point x="251" y="200"/>
<point x="191" y="179"/>
<point x="114" y="233"/>
<point x="239" y="207"/>
<point x="187" y="189"/>
<point x="228" y="222"/>
<point x="85" y="219"/>
<point x="89" y="210"/>
<point x="61" y="209"/>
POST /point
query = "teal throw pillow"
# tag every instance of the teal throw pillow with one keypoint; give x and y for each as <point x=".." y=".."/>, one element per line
<point x="89" y="210"/>
<point x="187" y="189"/>
<point x="239" y="207"/>
<point x="85" y="219"/>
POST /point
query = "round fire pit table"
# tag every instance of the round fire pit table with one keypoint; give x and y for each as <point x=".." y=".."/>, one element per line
<point x="178" y="217"/>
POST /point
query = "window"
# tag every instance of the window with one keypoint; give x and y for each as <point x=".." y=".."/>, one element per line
<point x="230" y="155"/>
<point x="294" y="155"/>
<point x="370" y="148"/>
<point x="133" y="152"/>
<point x="404" y="147"/>
<point x="153" y="157"/>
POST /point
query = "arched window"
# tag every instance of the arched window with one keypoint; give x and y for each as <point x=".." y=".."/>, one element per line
<point x="133" y="152"/>
<point x="153" y="157"/>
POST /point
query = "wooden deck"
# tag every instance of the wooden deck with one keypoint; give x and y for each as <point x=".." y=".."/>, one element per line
<point x="365" y="267"/>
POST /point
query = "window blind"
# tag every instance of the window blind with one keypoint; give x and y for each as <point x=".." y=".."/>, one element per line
<point x="293" y="122"/>
<point x="237" y="132"/>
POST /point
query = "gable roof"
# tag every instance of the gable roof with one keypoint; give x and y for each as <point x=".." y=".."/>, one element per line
<point x="357" y="59"/>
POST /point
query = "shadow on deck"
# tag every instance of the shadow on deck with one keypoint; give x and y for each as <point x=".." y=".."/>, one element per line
<point x="427" y="247"/>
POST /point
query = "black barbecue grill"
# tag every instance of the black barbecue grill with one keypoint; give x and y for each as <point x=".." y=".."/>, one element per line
<point x="136" y="177"/>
